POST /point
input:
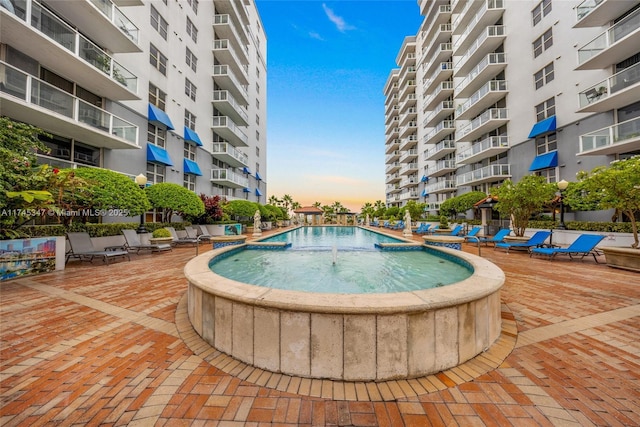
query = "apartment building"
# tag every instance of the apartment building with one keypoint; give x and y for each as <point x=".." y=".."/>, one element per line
<point x="173" y="89"/>
<point x="505" y="89"/>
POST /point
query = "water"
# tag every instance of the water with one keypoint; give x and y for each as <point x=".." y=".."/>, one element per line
<point x="358" y="268"/>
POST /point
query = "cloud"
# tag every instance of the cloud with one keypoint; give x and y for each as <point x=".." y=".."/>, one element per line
<point x="315" y="35"/>
<point x="339" y="21"/>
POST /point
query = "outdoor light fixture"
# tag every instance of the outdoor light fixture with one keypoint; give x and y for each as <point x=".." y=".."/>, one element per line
<point x="141" y="180"/>
<point x="562" y="186"/>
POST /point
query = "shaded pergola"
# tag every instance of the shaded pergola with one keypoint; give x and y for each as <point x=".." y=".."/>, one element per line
<point x="314" y="212"/>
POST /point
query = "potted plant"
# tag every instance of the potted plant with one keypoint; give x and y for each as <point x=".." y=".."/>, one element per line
<point x="160" y="235"/>
<point x="617" y="186"/>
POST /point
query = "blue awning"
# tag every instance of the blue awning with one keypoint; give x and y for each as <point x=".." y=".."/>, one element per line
<point x="425" y="178"/>
<point x="424" y="193"/>
<point x="545" y="161"/>
<point x="258" y="192"/>
<point x="258" y="177"/>
<point x="191" y="167"/>
<point x="157" y="154"/>
<point x="545" y="126"/>
<point x="157" y="116"/>
<point x="192" y="136"/>
<point x="246" y="170"/>
<point x="246" y="190"/>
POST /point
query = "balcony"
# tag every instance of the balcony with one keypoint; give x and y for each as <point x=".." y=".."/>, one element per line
<point x="409" y="115"/>
<point x="392" y="189"/>
<point x="409" y="128"/>
<point x="486" y="148"/>
<point x="226" y="28"/>
<point x="408" y="142"/>
<point x="392" y="112"/>
<point x="391" y="145"/>
<point x="63" y="50"/>
<point x="488" y="67"/>
<point x="409" y="156"/>
<point x="443" y="186"/>
<point x="224" y="102"/>
<point x="409" y="195"/>
<point x="228" y="178"/>
<point x="620" y="138"/>
<point x="488" y="14"/>
<point x="441" y="149"/>
<point x="442" y="34"/>
<point x="224" y="76"/>
<point x="442" y="73"/>
<point x="491" y="173"/>
<point x="598" y="13"/>
<point x="227" y="129"/>
<point x="442" y="110"/>
<point x="487" y="95"/>
<point x="442" y="167"/>
<point x="237" y="59"/>
<point x="392" y="168"/>
<point x="485" y="122"/>
<point x="614" y="45"/>
<point x="408" y="103"/>
<point x="27" y="99"/>
<point x="488" y="41"/>
<point x="394" y="156"/>
<point x="393" y="178"/>
<point x="409" y="182"/>
<point x="442" y="129"/>
<point x="442" y="54"/>
<point x="621" y="89"/>
<point x="100" y="20"/>
<point x="229" y="154"/>
<point x="407" y="90"/>
<point x="442" y="92"/>
<point x="409" y="168"/>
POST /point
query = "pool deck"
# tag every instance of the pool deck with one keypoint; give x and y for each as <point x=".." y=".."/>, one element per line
<point x="110" y="345"/>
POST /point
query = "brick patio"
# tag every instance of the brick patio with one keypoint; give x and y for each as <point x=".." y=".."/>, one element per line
<point x="110" y="345"/>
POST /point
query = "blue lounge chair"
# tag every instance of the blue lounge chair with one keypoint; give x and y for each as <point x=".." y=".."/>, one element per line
<point x="474" y="231"/>
<point x="584" y="245"/>
<point x="498" y="238"/>
<point x="456" y="230"/>
<point x="536" y="240"/>
<point x="423" y="228"/>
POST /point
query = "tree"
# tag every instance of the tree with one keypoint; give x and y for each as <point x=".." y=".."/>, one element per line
<point x="461" y="204"/>
<point x="379" y="209"/>
<point x="212" y="210"/>
<point x="415" y="209"/>
<point x="615" y="187"/>
<point x="241" y="210"/>
<point x="367" y="209"/>
<point x="174" y="198"/>
<point x="520" y="201"/>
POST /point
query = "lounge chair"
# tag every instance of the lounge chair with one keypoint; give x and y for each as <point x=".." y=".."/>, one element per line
<point x="181" y="240"/>
<point x="83" y="249"/>
<point x="584" y="245"/>
<point x="133" y="243"/>
<point x="204" y="233"/>
<point x="433" y="229"/>
<point x="536" y="240"/>
<point x="474" y="231"/>
<point x="456" y="230"/>
<point x="423" y="228"/>
<point x="193" y="233"/>
<point x="497" y="238"/>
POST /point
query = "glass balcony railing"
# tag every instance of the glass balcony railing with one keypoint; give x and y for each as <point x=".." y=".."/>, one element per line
<point x="225" y="95"/>
<point x="447" y="184"/>
<point x="487" y="144"/>
<point x="487" y="173"/>
<point x="491" y="31"/>
<point x="606" y="88"/>
<point x="228" y="149"/>
<point x="230" y="176"/>
<point x="491" y="114"/>
<point x="490" y="86"/>
<point x="586" y="7"/>
<point x="37" y="92"/>
<point x="620" y="133"/>
<point x="446" y="144"/>
<point x="226" y="122"/>
<point x="620" y="30"/>
<point x="118" y="18"/>
<point x="492" y="58"/>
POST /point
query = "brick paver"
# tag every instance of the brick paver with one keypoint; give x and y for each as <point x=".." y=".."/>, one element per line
<point x="111" y="345"/>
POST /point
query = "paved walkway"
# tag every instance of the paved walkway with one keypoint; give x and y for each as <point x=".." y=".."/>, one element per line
<point x="111" y="345"/>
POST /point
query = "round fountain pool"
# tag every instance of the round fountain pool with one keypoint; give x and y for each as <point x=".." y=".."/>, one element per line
<point x="343" y="335"/>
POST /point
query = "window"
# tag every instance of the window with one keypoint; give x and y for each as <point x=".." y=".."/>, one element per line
<point x="549" y="174"/>
<point x="194" y="5"/>
<point x="257" y="119"/>
<point x="157" y="59"/>
<point x="540" y="11"/>
<point x="546" y="143"/>
<point x="544" y="76"/>
<point x="192" y="31"/>
<point x="155" y="173"/>
<point x="158" y="23"/>
<point x="157" y="97"/>
<point x="156" y="135"/>
<point x="189" y="182"/>
<point x="191" y="60"/>
<point x="189" y="151"/>
<point x="189" y="119"/>
<point x="545" y="109"/>
<point x="257" y="151"/>
<point x="257" y="136"/>
<point x="189" y="89"/>
<point x="543" y="43"/>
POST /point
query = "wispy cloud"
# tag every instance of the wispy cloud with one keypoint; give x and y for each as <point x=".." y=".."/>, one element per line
<point x="315" y="35"/>
<point x="339" y="21"/>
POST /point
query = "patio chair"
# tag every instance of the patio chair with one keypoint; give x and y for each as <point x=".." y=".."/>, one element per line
<point x="193" y="233"/>
<point x="423" y="228"/>
<point x="584" y="245"/>
<point x="456" y="230"/>
<point x="497" y="238"/>
<point x="536" y="240"/>
<point x="474" y="231"/>
<point x="181" y="240"/>
<point x="83" y="249"/>
<point x="133" y="243"/>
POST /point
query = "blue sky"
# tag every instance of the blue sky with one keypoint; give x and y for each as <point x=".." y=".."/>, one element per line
<point x="327" y="66"/>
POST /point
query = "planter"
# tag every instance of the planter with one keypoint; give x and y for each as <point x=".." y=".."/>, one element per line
<point x="624" y="258"/>
<point x="160" y="240"/>
<point x="442" y="231"/>
<point x="516" y="239"/>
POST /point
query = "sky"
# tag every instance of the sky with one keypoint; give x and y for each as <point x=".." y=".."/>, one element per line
<point x="327" y="64"/>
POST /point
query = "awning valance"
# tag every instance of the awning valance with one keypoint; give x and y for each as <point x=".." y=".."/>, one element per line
<point x="258" y="177"/>
<point x="545" y="126"/>
<point x="157" y="154"/>
<point x="191" y="167"/>
<point x="157" y="116"/>
<point x="258" y="192"/>
<point x="246" y="170"/>
<point x="192" y="136"/>
<point x="545" y="161"/>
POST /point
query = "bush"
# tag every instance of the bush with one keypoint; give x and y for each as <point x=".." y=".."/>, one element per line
<point x="161" y="232"/>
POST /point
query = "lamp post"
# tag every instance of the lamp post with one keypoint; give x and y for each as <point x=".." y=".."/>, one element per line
<point x="141" y="180"/>
<point x="562" y="185"/>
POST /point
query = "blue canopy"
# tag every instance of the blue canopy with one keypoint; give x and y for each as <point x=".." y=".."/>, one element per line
<point x="191" y="167"/>
<point x="192" y="136"/>
<point x="246" y="170"/>
<point x="157" y="154"/>
<point x="258" y="177"/>
<point x="246" y="190"/>
<point x="157" y="116"/>
<point x="545" y="161"/>
<point x="425" y="178"/>
<point x="258" y="192"/>
<point x="424" y="193"/>
<point x="545" y="126"/>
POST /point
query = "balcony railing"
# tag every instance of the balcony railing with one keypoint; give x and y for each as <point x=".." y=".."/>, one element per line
<point x="226" y="71"/>
<point x="441" y="165"/>
<point x="621" y="29"/>
<point x="118" y="18"/>
<point x="226" y="122"/>
<point x="228" y="149"/>
<point x="492" y="58"/>
<point x="447" y="144"/>
<point x="447" y="184"/>
<point x="490" y="86"/>
<point x="609" y="137"/>
<point x="586" y="7"/>
<point x="606" y="88"/>
<point x="491" y="114"/>
<point x="486" y="174"/>
<point x="230" y="176"/>
<point x="490" y="4"/>
<point x="491" y="31"/>
<point x="493" y="142"/>
<point x="225" y="95"/>
<point x="38" y="92"/>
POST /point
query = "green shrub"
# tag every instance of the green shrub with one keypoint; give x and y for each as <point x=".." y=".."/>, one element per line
<point x="161" y="232"/>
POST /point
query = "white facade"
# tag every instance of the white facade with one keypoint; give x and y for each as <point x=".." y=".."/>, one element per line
<point x="88" y="72"/>
<point x="501" y="92"/>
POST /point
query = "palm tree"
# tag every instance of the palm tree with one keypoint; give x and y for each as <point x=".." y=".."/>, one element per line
<point x="273" y="200"/>
<point x="287" y="201"/>
<point x="367" y="209"/>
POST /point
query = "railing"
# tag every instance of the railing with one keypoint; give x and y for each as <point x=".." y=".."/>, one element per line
<point x="225" y="45"/>
<point x="614" y="34"/>
<point x="225" y="19"/>
<point x="484" y="145"/>
<point x="490" y="86"/>
<point x="619" y="81"/>
<point x="225" y="70"/>
<point x="490" y="4"/>
<point x="445" y="124"/>
<point x="491" y="31"/>
<point x="447" y="184"/>
<point x="38" y="92"/>
<point x="441" y="165"/>
<point x="619" y="133"/>
<point x="388" y="157"/>
<point x="408" y="167"/>
<point x="225" y="95"/>
<point x="225" y="148"/>
<point x="118" y="18"/>
<point x="446" y="85"/>
<point x="487" y="172"/>
<point x="227" y="175"/>
<point x="586" y="7"/>
<point x="491" y="114"/>
<point x="492" y="58"/>
<point x="224" y="121"/>
<point x="444" y="105"/>
<point x="446" y="144"/>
